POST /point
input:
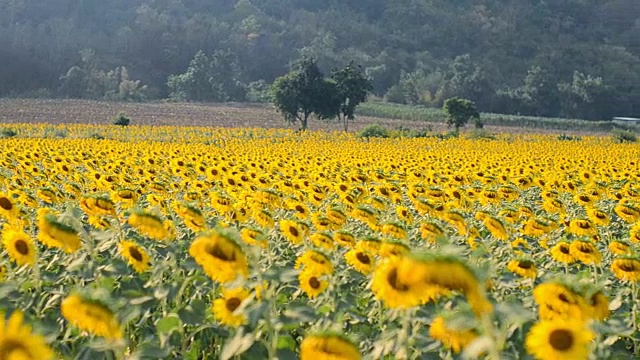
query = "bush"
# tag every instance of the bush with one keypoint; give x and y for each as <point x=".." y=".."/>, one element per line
<point x="565" y="137"/>
<point x="374" y="131"/>
<point x="478" y="134"/>
<point x="8" y="132"/>
<point x="61" y="133"/>
<point x="121" y="120"/>
<point x="97" y="136"/>
<point x="449" y="135"/>
<point x="404" y="132"/>
<point x="623" y="136"/>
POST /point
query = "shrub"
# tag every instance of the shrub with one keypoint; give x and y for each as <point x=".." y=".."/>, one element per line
<point x="565" y="137"/>
<point x="61" y="133"/>
<point x="478" y="134"/>
<point x="374" y="131"/>
<point x="97" y="136"/>
<point x="8" y="132"/>
<point x="623" y="136"/>
<point x="121" y="120"/>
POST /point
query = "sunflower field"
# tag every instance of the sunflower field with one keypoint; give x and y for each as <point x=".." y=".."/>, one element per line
<point x="206" y="243"/>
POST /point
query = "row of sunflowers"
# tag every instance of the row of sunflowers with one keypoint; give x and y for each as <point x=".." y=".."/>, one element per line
<point x="206" y="243"/>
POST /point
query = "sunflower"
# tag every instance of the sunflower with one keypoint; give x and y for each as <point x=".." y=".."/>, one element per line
<point x="442" y="274"/>
<point x="394" y="293"/>
<point x="344" y="238"/>
<point x="219" y="255"/>
<point x="431" y="231"/>
<point x="626" y="268"/>
<point x="362" y="261"/>
<point x="314" y="261"/>
<point x="524" y="268"/>
<point x="312" y="283"/>
<point x="135" y="255"/>
<point x="583" y="199"/>
<point x="337" y="216"/>
<point x="264" y="218"/>
<point x="496" y="228"/>
<point x="322" y="223"/>
<point x="393" y="248"/>
<point x="404" y="215"/>
<point x="561" y="252"/>
<point x="619" y="248"/>
<point x="627" y="212"/>
<point x="19" y="246"/>
<point x="559" y="340"/>
<point x="599" y="305"/>
<point x="53" y="233"/>
<point x="299" y="209"/>
<point x="191" y="216"/>
<point x="582" y="227"/>
<point x="394" y="229"/>
<point x="328" y="347"/>
<point x="291" y="231"/>
<point x="3" y="272"/>
<point x="322" y="240"/>
<point x="17" y="341"/>
<point x="225" y="308"/>
<point x="369" y="244"/>
<point x="91" y="316"/>
<point x="97" y="205"/>
<point x="99" y="222"/>
<point x="557" y="301"/>
<point x="8" y="208"/>
<point x="149" y="224"/>
<point x="456" y="340"/>
<point x="254" y="236"/>
<point x="553" y="206"/>
<point x="634" y="234"/>
<point x="585" y="251"/>
<point x="599" y="217"/>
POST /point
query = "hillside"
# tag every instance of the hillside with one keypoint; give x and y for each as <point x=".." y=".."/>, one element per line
<point x="567" y="58"/>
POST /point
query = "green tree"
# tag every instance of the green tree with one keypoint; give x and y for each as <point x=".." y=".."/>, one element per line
<point x="460" y="111"/>
<point x="208" y="78"/>
<point x="303" y="92"/>
<point x="352" y="87"/>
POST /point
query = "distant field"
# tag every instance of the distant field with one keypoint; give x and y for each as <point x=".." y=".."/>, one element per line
<point x="251" y="115"/>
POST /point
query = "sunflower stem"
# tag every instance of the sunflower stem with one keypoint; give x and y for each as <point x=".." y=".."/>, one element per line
<point x="634" y="316"/>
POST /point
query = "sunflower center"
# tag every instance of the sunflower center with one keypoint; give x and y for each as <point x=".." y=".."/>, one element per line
<point x="564" y="250"/>
<point x="627" y="267"/>
<point x="525" y="264"/>
<point x="135" y="254"/>
<point x="233" y="304"/>
<point x="392" y="279"/>
<point x="363" y="258"/>
<point x="217" y="252"/>
<point x="12" y="349"/>
<point x="561" y="339"/>
<point x="21" y="247"/>
<point x="5" y="204"/>
<point x="585" y="250"/>
<point x="314" y="283"/>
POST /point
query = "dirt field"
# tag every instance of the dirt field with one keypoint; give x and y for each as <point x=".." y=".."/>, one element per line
<point x="158" y="113"/>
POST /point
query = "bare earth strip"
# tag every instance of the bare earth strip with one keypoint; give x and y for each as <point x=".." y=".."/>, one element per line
<point x="186" y="114"/>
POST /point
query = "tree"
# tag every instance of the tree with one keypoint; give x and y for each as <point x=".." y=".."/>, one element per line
<point x="209" y="78"/>
<point x="459" y="111"/>
<point x="352" y="87"/>
<point x="304" y="91"/>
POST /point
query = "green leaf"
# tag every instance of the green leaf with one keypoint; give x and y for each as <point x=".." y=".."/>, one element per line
<point x="169" y="324"/>
<point x="237" y="345"/>
<point x="286" y="342"/>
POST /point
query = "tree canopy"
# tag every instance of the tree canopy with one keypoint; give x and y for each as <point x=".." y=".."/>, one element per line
<point x="573" y="58"/>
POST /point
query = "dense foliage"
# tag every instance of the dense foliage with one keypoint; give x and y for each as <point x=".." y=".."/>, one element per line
<point x="570" y="58"/>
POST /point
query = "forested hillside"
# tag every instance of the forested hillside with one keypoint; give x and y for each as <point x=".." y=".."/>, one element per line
<point x="572" y="58"/>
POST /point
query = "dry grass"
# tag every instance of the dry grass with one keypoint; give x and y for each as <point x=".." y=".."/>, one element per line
<point x="160" y="113"/>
